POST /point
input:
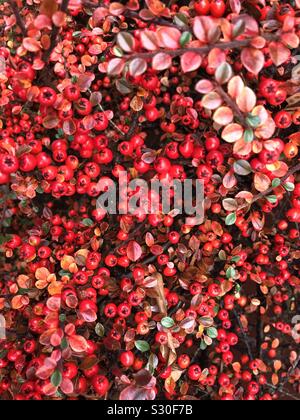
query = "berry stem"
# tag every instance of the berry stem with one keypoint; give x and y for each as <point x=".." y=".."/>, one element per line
<point x="54" y="34"/>
<point x="292" y="171"/>
<point x="231" y="45"/>
<point x="19" y="18"/>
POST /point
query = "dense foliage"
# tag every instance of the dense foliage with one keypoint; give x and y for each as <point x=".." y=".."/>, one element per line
<point x="146" y="306"/>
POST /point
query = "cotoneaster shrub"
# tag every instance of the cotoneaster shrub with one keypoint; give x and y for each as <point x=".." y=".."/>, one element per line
<point x="145" y="306"/>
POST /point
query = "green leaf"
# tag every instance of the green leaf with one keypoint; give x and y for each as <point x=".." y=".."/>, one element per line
<point x="64" y="344"/>
<point x="289" y="186"/>
<point x="118" y="52"/>
<point x="230" y="219"/>
<point x="203" y="345"/>
<point x="181" y="20"/>
<point x="212" y="332"/>
<point x="235" y="259"/>
<point x="222" y="255"/>
<point x="87" y="222"/>
<point x="56" y="378"/>
<point x="253" y="120"/>
<point x="62" y="317"/>
<point x="239" y="28"/>
<point x="223" y="73"/>
<point x="167" y="322"/>
<point x="24" y="291"/>
<point x="63" y="273"/>
<point x="3" y="354"/>
<point x="185" y="38"/>
<point x="272" y="199"/>
<point x="4" y="239"/>
<point x="242" y="167"/>
<point x="249" y="135"/>
<point x="7" y="222"/>
<point x="100" y="330"/>
<point x="276" y="182"/>
<point x="142" y="346"/>
<point x="230" y="273"/>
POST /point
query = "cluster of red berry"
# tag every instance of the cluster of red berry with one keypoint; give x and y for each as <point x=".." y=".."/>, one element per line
<point x="144" y="305"/>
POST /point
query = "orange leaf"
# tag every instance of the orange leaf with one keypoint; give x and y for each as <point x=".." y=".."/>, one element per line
<point x="279" y="53"/>
<point x="275" y="379"/>
<point x="41" y="284"/>
<point x="42" y="274"/>
<point x="223" y="116"/>
<point x="19" y="301"/>
<point x="55" y="288"/>
<point x="253" y="60"/>
<point x="246" y="100"/>
<point x="235" y="86"/>
<point x="261" y="182"/>
<point x="232" y="133"/>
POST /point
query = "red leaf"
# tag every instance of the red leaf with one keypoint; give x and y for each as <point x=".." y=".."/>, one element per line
<point x="149" y="40"/>
<point x="279" y="53"/>
<point x="253" y="60"/>
<point x="126" y="41"/>
<point x="235" y="6"/>
<point x="54" y="303"/>
<point x="85" y="80"/>
<point x="89" y="315"/>
<point x="115" y="66"/>
<point x="116" y="9"/>
<point x="134" y="251"/>
<point x="31" y="44"/>
<point x="67" y="386"/>
<point x="137" y="67"/>
<point x="133" y="393"/>
<point x="212" y="101"/>
<point x="216" y="57"/>
<point x="59" y="19"/>
<point x="69" y="127"/>
<point x="190" y="61"/>
<point x="204" y="86"/>
<point x="78" y="343"/>
<point x="202" y="26"/>
<point x="161" y="61"/>
<point x="43" y="22"/>
<point x="99" y="15"/>
<point x="235" y="86"/>
<point x="261" y="181"/>
<point x="51" y="121"/>
<point x="168" y="37"/>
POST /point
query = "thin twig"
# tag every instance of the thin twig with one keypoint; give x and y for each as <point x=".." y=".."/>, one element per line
<point x="112" y="123"/>
<point x="19" y="18"/>
<point x="245" y="335"/>
<point x="231" y="45"/>
<point x="232" y="104"/>
<point x="287" y="394"/>
<point x="291" y="172"/>
<point x="290" y="373"/>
